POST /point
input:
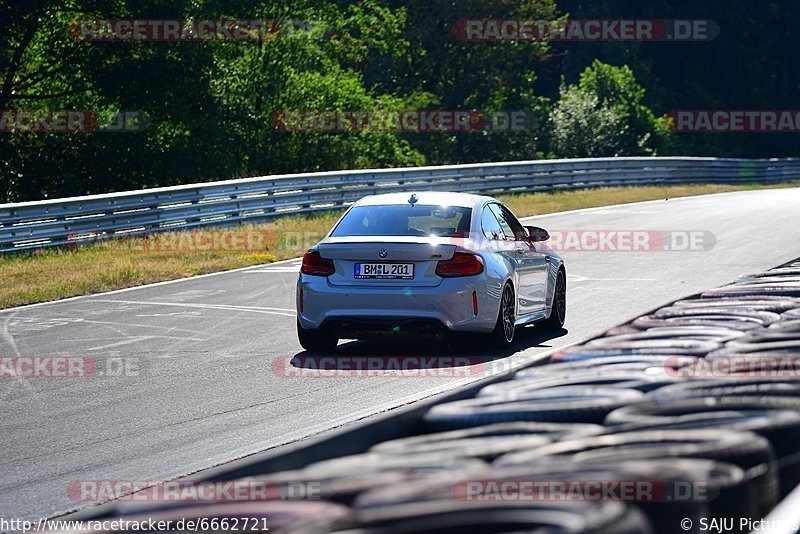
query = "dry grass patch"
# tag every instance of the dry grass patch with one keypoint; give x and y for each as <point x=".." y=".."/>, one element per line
<point x="55" y="273"/>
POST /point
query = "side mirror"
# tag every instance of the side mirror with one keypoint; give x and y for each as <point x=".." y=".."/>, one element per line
<point x="536" y="234"/>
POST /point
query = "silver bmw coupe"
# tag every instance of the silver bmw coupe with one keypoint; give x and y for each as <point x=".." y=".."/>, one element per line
<point x="428" y="264"/>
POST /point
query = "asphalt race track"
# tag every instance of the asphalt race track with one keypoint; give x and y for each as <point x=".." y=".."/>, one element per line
<point x="202" y="368"/>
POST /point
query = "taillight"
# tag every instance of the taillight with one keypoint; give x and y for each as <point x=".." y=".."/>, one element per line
<point x="461" y="264"/>
<point x="316" y="265"/>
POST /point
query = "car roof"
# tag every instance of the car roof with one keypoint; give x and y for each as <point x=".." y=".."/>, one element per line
<point x="436" y="198"/>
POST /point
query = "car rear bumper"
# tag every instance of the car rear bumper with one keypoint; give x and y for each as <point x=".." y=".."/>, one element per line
<point x="367" y="327"/>
<point x="366" y="311"/>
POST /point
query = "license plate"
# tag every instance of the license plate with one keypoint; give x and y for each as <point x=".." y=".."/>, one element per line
<point x="402" y="271"/>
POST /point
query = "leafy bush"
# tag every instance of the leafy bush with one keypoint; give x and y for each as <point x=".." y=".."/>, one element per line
<point x="604" y="116"/>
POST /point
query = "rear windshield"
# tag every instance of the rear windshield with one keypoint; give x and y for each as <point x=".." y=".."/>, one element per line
<point x="419" y="221"/>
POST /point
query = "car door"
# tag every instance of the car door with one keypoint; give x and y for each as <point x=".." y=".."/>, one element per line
<point x="531" y="264"/>
<point x="498" y="243"/>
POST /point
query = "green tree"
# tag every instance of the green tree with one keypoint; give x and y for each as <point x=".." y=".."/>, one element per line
<point x="308" y="72"/>
<point x="466" y="75"/>
<point x="603" y="115"/>
<point x="210" y="102"/>
<point x="752" y="64"/>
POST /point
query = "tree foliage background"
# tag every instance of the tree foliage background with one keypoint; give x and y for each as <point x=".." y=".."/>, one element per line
<point x="211" y="104"/>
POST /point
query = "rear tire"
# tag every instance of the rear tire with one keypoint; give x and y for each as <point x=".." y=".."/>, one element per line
<point x="315" y="340"/>
<point x="503" y="333"/>
<point x="558" y="313"/>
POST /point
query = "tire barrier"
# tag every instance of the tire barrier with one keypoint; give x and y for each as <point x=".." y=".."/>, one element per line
<point x="785" y="289"/>
<point x="565" y="405"/>
<point x="486" y="448"/>
<point x="486" y="442"/>
<point x="766" y="303"/>
<point x="668" y="333"/>
<point x="700" y="394"/>
<point x="341" y="480"/>
<point x="598" y="378"/>
<point x="453" y="516"/>
<point x="777" y="420"/>
<point x="687" y="316"/>
<point x="763" y="342"/>
<point x="724" y="387"/>
<point x="784" y="326"/>
<point x="606" y="364"/>
<point x="749" y="451"/>
<point x="665" y="345"/>
<point x="420" y="465"/>
<point x="580" y="353"/>
<point x="691" y="329"/>
<point x="726" y="487"/>
<point x="740" y="324"/>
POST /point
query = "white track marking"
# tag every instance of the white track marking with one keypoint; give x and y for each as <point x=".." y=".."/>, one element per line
<point x="578" y="278"/>
<point x="142" y="338"/>
<point x="257" y="309"/>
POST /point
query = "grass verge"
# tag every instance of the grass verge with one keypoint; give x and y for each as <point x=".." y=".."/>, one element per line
<point x="51" y="274"/>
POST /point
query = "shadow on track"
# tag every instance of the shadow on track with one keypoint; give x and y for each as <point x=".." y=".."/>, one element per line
<point x="429" y="353"/>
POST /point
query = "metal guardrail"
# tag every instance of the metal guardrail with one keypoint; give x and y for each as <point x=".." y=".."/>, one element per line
<point x="28" y="225"/>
